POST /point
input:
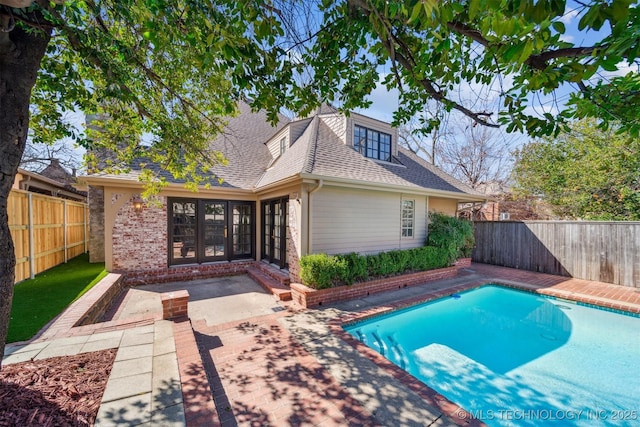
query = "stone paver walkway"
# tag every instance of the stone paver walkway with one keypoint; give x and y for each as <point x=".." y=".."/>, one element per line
<point x="144" y="386"/>
<point x="274" y="364"/>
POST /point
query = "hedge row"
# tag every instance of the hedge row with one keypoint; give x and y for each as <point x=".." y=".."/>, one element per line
<point x="322" y="271"/>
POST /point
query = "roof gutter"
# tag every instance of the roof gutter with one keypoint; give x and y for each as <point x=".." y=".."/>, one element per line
<point x="462" y="197"/>
<point x="318" y="186"/>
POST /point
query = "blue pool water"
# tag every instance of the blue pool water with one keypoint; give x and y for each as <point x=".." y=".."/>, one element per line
<point x="512" y="358"/>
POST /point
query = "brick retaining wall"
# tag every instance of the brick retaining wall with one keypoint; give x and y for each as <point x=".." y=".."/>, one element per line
<point x="99" y="299"/>
<point x="308" y="297"/>
<point x="184" y="273"/>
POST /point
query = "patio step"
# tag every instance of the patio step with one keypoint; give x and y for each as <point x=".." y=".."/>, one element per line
<point x="281" y="276"/>
<point x="282" y="292"/>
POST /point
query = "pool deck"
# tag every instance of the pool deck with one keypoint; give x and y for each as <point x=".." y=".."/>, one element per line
<point x="244" y="358"/>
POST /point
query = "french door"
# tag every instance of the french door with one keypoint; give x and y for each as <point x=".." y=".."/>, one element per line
<point x="210" y="230"/>
<point x="275" y="231"/>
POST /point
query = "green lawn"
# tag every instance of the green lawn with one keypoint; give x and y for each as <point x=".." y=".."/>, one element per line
<point x="37" y="301"/>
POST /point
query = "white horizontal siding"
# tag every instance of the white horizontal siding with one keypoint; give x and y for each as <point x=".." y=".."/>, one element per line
<point x="346" y="220"/>
<point x="274" y="144"/>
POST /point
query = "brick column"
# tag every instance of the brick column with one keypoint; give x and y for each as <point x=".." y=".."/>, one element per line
<point x="174" y="304"/>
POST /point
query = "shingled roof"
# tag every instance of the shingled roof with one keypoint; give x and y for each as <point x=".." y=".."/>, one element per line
<point x="321" y="152"/>
<point x="317" y="152"/>
<point x="242" y="144"/>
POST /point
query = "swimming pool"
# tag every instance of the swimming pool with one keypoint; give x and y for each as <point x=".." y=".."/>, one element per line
<point x="513" y="358"/>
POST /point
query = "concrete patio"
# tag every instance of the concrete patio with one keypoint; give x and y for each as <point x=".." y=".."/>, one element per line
<point x="246" y="359"/>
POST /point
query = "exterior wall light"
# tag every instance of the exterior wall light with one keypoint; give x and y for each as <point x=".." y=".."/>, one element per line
<point x="137" y="203"/>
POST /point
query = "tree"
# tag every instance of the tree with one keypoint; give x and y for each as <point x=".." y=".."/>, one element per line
<point x="477" y="155"/>
<point x="36" y="157"/>
<point x="587" y="173"/>
<point x="437" y="50"/>
<point x="420" y="138"/>
<point x="174" y="69"/>
<point x="170" y="69"/>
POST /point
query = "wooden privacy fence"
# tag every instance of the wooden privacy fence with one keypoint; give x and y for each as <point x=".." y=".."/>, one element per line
<point x="602" y="251"/>
<point x="46" y="231"/>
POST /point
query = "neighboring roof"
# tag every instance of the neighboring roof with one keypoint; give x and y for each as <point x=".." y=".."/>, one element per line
<point x="56" y="172"/>
<point x="37" y="182"/>
<point x="317" y="152"/>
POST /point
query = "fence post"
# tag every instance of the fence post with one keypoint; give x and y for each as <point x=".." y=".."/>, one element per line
<point x="32" y="250"/>
<point x="64" y="229"/>
<point x="84" y="228"/>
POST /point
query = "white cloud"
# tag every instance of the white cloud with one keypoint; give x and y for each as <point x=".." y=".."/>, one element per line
<point x="569" y="15"/>
<point x="625" y="68"/>
<point x="567" y="38"/>
<point x="384" y="102"/>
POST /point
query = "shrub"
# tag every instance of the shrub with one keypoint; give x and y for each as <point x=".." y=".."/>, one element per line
<point x="455" y="235"/>
<point x="428" y="258"/>
<point x="355" y="268"/>
<point x="400" y="260"/>
<point x="320" y="271"/>
<point x="381" y="264"/>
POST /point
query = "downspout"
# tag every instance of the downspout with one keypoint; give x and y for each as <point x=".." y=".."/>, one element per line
<point x="318" y="187"/>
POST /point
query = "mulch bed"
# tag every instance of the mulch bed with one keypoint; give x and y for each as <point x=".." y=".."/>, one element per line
<point x="60" y="391"/>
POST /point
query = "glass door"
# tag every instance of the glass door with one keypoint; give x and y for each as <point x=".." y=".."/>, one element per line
<point x="275" y="231"/>
<point x="242" y="230"/>
<point x="210" y="230"/>
<point x="183" y="231"/>
<point x="214" y="236"/>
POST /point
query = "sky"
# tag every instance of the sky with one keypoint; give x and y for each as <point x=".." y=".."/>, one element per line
<point x="385" y="102"/>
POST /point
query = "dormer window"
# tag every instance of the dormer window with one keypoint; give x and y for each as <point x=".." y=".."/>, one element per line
<point x="283" y="145"/>
<point x="371" y="143"/>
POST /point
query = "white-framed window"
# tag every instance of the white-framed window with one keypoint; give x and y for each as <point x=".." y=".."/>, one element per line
<point x="408" y="218"/>
<point x="371" y="143"/>
<point x="283" y="145"/>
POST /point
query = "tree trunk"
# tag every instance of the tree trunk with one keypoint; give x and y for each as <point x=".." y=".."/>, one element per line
<point x="20" y="56"/>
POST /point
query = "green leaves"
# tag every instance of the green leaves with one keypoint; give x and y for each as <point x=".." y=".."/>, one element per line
<point x="586" y="173"/>
<point x="174" y="70"/>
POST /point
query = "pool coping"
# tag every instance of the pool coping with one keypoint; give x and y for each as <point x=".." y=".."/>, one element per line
<point x="455" y="412"/>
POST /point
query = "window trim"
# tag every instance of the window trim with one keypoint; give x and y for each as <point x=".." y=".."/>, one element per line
<point x="412" y="219"/>
<point x="368" y="143"/>
<point x="283" y="145"/>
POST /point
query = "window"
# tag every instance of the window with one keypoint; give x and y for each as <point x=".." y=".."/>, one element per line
<point x="407" y="218"/>
<point x="283" y="146"/>
<point x="371" y="143"/>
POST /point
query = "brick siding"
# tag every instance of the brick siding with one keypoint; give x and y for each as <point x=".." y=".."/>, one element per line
<point x="140" y="239"/>
<point x="96" y="224"/>
<point x="187" y="272"/>
<point x="292" y="251"/>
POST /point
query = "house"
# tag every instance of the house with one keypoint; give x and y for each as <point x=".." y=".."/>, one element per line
<point x="54" y="181"/>
<point x="506" y="207"/>
<point x="326" y="183"/>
